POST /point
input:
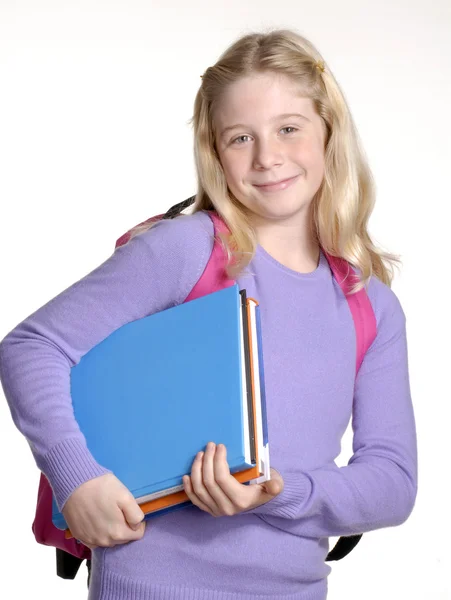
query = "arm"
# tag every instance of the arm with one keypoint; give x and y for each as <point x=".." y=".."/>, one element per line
<point x="378" y="486"/>
<point x="155" y="270"/>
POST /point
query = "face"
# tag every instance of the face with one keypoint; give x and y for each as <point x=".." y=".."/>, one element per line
<point x="264" y="146"/>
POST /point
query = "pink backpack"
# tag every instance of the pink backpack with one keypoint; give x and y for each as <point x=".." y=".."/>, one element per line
<point x="213" y="279"/>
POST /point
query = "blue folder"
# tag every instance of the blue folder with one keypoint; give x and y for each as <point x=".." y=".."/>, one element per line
<point x="157" y="390"/>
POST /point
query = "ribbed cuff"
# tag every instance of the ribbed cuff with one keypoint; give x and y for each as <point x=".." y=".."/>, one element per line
<point x="287" y="504"/>
<point x="67" y="465"/>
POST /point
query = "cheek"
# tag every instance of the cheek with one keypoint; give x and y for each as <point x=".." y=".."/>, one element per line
<point x="313" y="157"/>
<point x="233" y="171"/>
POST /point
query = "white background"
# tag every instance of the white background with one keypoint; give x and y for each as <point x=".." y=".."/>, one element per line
<point x="94" y="103"/>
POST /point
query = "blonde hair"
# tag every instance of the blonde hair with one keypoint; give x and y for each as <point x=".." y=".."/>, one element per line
<point x="344" y="202"/>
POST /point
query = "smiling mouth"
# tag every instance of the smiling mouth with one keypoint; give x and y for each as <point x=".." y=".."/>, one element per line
<point x="274" y="182"/>
<point x="278" y="186"/>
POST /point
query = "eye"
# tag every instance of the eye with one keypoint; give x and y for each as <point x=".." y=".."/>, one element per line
<point x="239" y="138"/>
<point x="235" y="141"/>
<point x="289" y="127"/>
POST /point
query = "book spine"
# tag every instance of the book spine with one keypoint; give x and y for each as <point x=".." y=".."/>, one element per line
<point x="247" y="360"/>
<point x="262" y="375"/>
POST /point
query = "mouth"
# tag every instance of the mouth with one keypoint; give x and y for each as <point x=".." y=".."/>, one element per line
<point x="278" y="185"/>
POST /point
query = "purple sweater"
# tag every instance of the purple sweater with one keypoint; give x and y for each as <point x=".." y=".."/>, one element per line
<point x="278" y="549"/>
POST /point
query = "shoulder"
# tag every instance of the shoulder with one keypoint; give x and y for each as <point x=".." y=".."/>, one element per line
<point x="386" y="304"/>
<point x="182" y="233"/>
<point x="390" y="317"/>
<point x="177" y="251"/>
<point x="186" y="238"/>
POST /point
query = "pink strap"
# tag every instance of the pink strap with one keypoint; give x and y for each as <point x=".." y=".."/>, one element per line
<point x="359" y="305"/>
<point x="214" y="278"/>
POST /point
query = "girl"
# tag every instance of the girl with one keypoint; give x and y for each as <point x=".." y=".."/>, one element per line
<point x="278" y="158"/>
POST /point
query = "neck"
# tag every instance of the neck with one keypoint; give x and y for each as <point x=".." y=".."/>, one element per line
<point x="291" y="242"/>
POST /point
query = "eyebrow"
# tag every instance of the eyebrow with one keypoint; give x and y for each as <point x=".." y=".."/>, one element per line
<point x="277" y="118"/>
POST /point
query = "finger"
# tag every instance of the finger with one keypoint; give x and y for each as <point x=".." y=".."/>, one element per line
<point x="130" y="534"/>
<point x="119" y="531"/>
<point x="239" y="494"/>
<point x="243" y="497"/>
<point x="273" y="486"/>
<point x="140" y="530"/>
<point x="192" y="496"/>
<point x="216" y="474"/>
<point x="132" y="511"/>
<point x="198" y="486"/>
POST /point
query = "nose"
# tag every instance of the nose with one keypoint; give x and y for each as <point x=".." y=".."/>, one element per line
<point x="267" y="154"/>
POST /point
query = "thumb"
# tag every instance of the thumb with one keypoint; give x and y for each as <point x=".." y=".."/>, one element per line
<point x="273" y="487"/>
<point x="132" y="513"/>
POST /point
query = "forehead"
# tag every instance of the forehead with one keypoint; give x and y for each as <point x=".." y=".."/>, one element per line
<point x="260" y="97"/>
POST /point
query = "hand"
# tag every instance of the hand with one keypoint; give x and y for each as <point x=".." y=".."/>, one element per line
<point x="213" y="489"/>
<point x="103" y="512"/>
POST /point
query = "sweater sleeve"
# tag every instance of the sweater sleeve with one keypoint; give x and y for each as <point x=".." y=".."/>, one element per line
<point x="155" y="270"/>
<point x="378" y="486"/>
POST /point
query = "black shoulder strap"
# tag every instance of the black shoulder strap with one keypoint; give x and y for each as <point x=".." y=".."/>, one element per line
<point x="177" y="208"/>
<point x="343" y="547"/>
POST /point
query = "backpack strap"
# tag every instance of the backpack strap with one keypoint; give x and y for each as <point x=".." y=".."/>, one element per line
<point x="359" y="305"/>
<point x="365" y="329"/>
<point x="344" y="546"/>
<point x="214" y="277"/>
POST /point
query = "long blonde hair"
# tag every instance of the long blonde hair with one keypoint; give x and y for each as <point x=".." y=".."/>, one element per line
<point x="343" y="204"/>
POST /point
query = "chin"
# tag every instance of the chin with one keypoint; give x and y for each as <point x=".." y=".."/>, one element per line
<point x="279" y="209"/>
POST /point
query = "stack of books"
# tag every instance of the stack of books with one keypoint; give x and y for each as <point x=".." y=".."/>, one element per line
<point x="152" y="394"/>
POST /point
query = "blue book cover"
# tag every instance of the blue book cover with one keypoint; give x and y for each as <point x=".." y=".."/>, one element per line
<point x="158" y="389"/>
